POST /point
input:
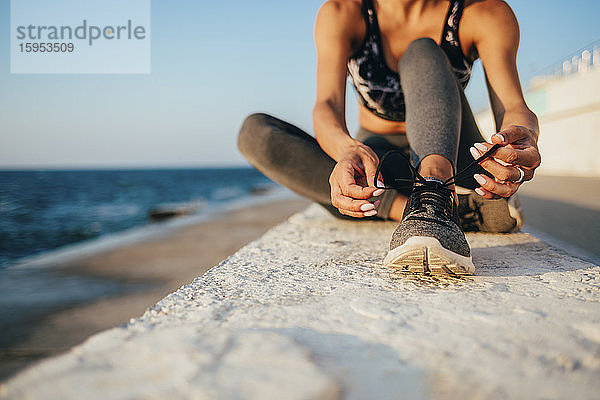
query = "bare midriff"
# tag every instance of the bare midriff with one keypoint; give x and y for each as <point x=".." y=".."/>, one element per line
<point x="373" y="123"/>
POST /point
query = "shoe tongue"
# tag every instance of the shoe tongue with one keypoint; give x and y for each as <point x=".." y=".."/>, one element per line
<point x="434" y="179"/>
<point x="437" y="185"/>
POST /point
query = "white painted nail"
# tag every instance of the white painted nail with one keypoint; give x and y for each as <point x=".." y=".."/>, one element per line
<point x="474" y="152"/>
<point x="370" y="213"/>
<point x="378" y="192"/>
<point x="479" y="191"/>
<point x="379" y="183"/>
<point x="481" y="147"/>
<point x="480" y="179"/>
<point x="499" y="136"/>
<point x="367" y="207"/>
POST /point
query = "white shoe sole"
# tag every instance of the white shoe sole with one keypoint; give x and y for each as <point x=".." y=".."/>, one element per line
<point x="420" y="254"/>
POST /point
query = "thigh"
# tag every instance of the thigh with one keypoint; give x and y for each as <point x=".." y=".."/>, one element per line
<point x="287" y="155"/>
<point x="290" y="157"/>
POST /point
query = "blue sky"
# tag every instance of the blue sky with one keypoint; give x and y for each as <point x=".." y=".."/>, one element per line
<point x="212" y="64"/>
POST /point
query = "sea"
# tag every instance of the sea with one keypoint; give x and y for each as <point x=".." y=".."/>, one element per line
<point x="49" y="214"/>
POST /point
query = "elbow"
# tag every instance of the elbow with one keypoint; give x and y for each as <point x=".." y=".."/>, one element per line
<point x="323" y="105"/>
<point x="316" y="117"/>
<point x="315" y="112"/>
<point x="324" y="111"/>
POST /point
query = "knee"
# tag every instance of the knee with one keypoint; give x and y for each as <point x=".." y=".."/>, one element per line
<point x="419" y="52"/>
<point x="252" y="133"/>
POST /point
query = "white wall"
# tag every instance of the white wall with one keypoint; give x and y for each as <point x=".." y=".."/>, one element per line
<point x="568" y="108"/>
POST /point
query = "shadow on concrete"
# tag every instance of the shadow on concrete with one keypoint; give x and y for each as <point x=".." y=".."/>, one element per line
<point x="366" y="369"/>
<point x="524" y="259"/>
<point x="573" y="224"/>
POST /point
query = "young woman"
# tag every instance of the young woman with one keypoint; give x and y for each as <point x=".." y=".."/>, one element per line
<point x="409" y="61"/>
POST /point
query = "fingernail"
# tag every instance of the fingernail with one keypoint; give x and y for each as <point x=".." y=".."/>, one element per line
<point x="479" y="191"/>
<point x="474" y="152"/>
<point x="480" y="147"/>
<point x="367" y="207"/>
<point x="480" y="179"/>
<point x="377" y="202"/>
<point x="499" y="136"/>
<point x="370" y="213"/>
<point x="378" y="192"/>
<point x="379" y="183"/>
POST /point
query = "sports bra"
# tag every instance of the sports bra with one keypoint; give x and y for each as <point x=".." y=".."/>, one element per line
<point x="377" y="86"/>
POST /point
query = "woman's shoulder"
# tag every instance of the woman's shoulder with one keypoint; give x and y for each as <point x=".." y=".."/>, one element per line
<point x="482" y="18"/>
<point x="343" y="5"/>
<point x="341" y="11"/>
<point x="344" y="17"/>
<point x="486" y="11"/>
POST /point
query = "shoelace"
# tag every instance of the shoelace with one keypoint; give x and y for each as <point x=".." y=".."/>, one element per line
<point x="431" y="192"/>
<point x="417" y="177"/>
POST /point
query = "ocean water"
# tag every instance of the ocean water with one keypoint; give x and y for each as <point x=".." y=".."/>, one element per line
<point x="45" y="210"/>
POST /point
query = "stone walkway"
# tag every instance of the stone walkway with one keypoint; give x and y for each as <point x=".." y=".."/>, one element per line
<point x="308" y="312"/>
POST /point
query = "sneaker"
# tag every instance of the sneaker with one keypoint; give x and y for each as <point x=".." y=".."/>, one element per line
<point x="478" y="214"/>
<point x="430" y="238"/>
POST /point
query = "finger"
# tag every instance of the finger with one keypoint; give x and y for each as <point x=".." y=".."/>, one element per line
<point x="360" y="213"/>
<point x="351" y="213"/>
<point x="356" y="191"/>
<point x="349" y="206"/>
<point x="370" y="166"/>
<point x="501" y="172"/>
<point x="505" y="189"/>
<point x="352" y="205"/>
<point x="488" y="195"/>
<point x="370" y="170"/>
<point x="347" y="183"/>
<point x="334" y="193"/>
<point x="527" y="157"/>
<point x="510" y="135"/>
<point x="337" y="200"/>
<point x="380" y="188"/>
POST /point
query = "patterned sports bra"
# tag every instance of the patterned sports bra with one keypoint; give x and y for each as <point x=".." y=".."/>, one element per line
<point x="377" y="86"/>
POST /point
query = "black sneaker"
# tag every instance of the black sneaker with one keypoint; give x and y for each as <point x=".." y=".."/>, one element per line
<point x="478" y="214"/>
<point x="430" y="238"/>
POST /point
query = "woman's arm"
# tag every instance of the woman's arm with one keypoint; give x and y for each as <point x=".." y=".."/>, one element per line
<point x="333" y="32"/>
<point x="497" y="41"/>
<point x="353" y="178"/>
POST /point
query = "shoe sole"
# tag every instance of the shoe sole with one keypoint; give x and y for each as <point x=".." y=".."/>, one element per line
<point x="423" y="254"/>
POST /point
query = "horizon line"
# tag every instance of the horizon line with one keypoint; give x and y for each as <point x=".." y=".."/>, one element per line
<point x="92" y="167"/>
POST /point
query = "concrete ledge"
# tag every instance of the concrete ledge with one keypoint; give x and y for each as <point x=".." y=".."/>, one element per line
<point x="308" y="312"/>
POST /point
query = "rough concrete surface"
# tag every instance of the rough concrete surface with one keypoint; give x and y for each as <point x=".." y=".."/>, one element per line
<point x="308" y="312"/>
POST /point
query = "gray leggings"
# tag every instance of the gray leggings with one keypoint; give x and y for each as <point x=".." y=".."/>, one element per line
<point x="438" y="121"/>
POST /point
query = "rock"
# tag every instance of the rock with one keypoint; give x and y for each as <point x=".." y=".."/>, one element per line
<point x="308" y="311"/>
<point x="170" y="210"/>
<point x="262" y="189"/>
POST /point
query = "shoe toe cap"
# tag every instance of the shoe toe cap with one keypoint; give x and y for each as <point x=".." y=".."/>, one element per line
<point x="451" y="237"/>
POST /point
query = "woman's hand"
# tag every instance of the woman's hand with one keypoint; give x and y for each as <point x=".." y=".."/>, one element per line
<point x="519" y="153"/>
<point x="352" y="182"/>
